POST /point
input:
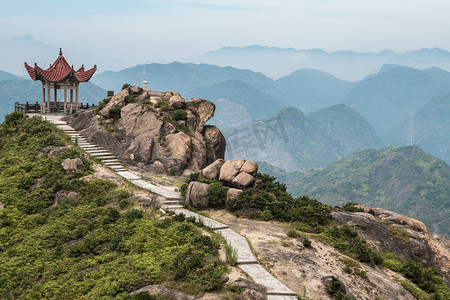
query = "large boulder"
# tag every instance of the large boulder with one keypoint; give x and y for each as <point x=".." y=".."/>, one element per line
<point x="234" y="173"/>
<point x="180" y="147"/>
<point x="197" y="194"/>
<point x="212" y="171"/>
<point x="72" y="165"/>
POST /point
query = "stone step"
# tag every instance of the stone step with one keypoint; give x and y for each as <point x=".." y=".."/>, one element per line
<point x="101" y="154"/>
<point x="171" y="207"/>
<point x="116" y="167"/>
<point x="213" y="224"/>
<point x="261" y="276"/>
<point x="96" y="151"/>
<point x="128" y="175"/>
<point x="172" y="202"/>
<point x="120" y="170"/>
<point x="110" y="161"/>
<point x="106" y="157"/>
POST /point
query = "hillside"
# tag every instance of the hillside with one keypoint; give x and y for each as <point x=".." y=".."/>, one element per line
<point x="310" y="90"/>
<point x="347" y="127"/>
<point x="7" y="76"/>
<point x="292" y="140"/>
<point x="12" y="91"/>
<point x="68" y="233"/>
<point x="431" y="128"/>
<point x="405" y="180"/>
<point x="387" y="99"/>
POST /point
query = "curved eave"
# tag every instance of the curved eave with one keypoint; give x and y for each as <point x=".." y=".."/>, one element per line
<point x="84" y="76"/>
<point x="31" y="71"/>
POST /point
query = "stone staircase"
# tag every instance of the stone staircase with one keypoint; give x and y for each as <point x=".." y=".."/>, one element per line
<point x="246" y="260"/>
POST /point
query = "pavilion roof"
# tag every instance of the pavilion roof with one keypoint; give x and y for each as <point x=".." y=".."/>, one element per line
<point x="60" y="71"/>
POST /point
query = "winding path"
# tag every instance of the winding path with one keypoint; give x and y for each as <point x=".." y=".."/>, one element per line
<point x="246" y="261"/>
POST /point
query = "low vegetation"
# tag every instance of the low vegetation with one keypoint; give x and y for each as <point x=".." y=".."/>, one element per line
<point x="94" y="245"/>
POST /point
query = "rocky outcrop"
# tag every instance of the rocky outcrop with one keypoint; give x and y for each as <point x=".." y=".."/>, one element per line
<point x="238" y="173"/>
<point x="406" y="237"/>
<point x="72" y="165"/>
<point x="153" y="133"/>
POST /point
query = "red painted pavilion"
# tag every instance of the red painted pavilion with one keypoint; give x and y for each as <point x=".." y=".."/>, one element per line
<point x="60" y="75"/>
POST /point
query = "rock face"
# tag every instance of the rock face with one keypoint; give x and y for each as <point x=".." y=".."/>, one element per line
<point x="150" y="135"/>
<point x="407" y="238"/>
<point x="197" y="194"/>
<point x="72" y="165"/>
<point x="238" y="173"/>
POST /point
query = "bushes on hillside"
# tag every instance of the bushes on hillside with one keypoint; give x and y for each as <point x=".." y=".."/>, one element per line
<point x="274" y="203"/>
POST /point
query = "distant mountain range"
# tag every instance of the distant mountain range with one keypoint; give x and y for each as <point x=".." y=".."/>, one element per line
<point x="292" y="140"/>
<point x="349" y="65"/>
<point x="406" y="180"/>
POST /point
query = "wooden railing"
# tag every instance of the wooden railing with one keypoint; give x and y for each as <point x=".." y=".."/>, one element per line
<point x="59" y="108"/>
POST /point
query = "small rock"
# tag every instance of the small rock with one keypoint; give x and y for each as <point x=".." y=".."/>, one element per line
<point x="72" y="165"/>
<point x="2" y="206"/>
<point x="233" y="193"/>
<point x="250" y="167"/>
<point x="135" y="90"/>
<point x="259" y="184"/>
<point x="243" y="180"/>
<point x="160" y="290"/>
<point x="197" y="194"/>
<point x="36" y="185"/>
<point x="176" y="102"/>
<point x="213" y="170"/>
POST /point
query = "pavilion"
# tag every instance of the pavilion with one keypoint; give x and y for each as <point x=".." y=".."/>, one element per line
<point x="60" y="75"/>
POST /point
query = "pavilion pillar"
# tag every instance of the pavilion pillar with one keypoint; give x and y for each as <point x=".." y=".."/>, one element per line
<point x="76" y="91"/>
<point x="43" y="99"/>
<point x="48" y="98"/>
<point x="71" y="101"/>
<point x="65" y="97"/>
<point x="56" y="97"/>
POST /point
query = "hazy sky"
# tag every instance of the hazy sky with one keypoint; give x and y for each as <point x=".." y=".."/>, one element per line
<point x="171" y="29"/>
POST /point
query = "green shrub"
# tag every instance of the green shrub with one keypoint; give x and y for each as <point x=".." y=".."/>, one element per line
<point x="350" y="206"/>
<point x="307" y="242"/>
<point x="162" y="104"/>
<point x="101" y="105"/>
<point x="133" y="214"/>
<point x="178" y="114"/>
<point x="114" y="113"/>
<point x="125" y="86"/>
<point x="217" y="194"/>
<point x="336" y="289"/>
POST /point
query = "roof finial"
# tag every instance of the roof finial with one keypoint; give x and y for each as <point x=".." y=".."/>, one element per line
<point x="60" y="51"/>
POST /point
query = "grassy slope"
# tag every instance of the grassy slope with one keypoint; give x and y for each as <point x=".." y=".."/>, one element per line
<point x="94" y="246"/>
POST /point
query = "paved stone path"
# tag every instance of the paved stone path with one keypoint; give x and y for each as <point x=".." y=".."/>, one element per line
<point x="246" y="260"/>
